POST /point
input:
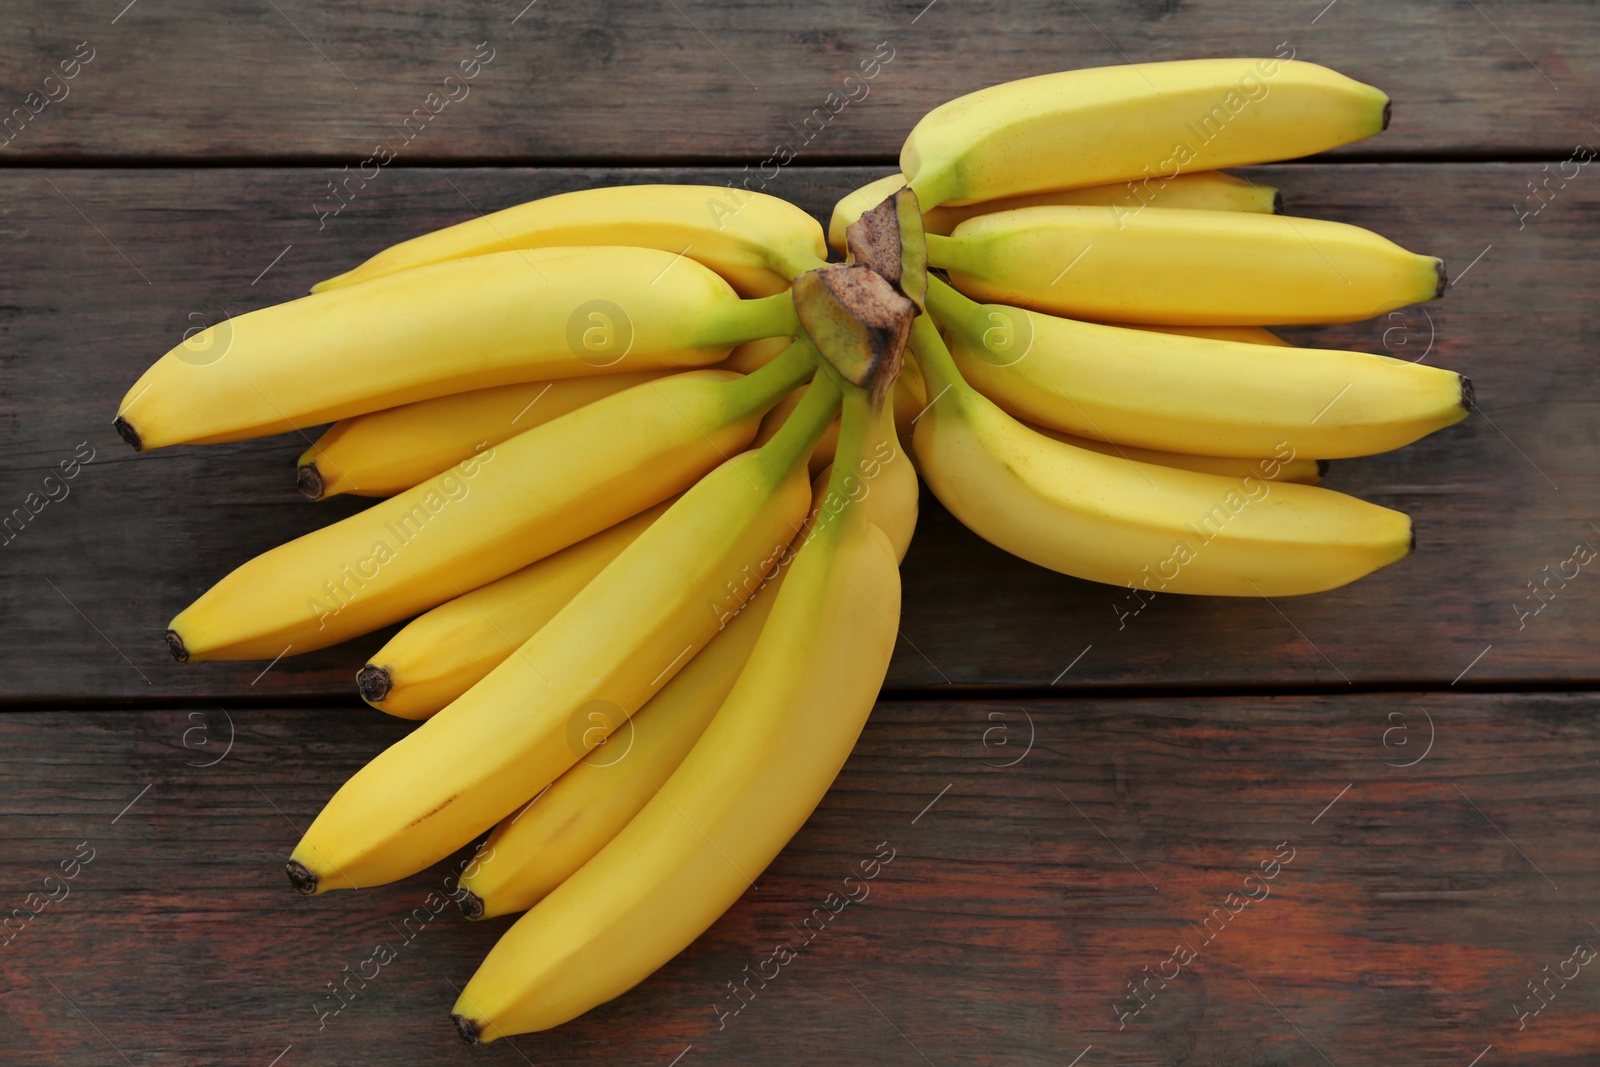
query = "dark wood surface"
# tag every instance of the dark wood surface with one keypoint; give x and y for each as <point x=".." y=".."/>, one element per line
<point x="1043" y="854"/>
<point x="1064" y="796"/>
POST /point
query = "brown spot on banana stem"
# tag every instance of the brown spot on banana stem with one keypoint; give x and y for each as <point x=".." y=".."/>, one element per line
<point x="309" y="481"/>
<point x="373" y="683"/>
<point x="300" y="876"/>
<point x="891" y="240"/>
<point x="126" y="431"/>
<point x="858" y="321"/>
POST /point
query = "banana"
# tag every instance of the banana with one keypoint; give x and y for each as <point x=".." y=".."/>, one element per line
<point x="1110" y="520"/>
<point x="1254" y="335"/>
<point x="1304" y="471"/>
<point x="444" y="652"/>
<point x="1191" y="394"/>
<point x="1179" y="266"/>
<point x="598" y="660"/>
<point x="540" y="846"/>
<point x="444" y="328"/>
<point x="484" y="518"/>
<point x="749" y="783"/>
<point x="757" y="242"/>
<point x="1127" y="123"/>
<point x="386" y="452"/>
<point x="1211" y="190"/>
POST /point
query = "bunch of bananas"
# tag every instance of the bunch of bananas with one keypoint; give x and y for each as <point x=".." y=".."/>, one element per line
<point x="596" y="419"/>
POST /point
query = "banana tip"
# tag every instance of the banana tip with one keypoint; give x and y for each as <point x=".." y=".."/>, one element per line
<point x="1412" y="547"/>
<point x="126" y="431"/>
<point x="308" y="480"/>
<point x="471" y="904"/>
<point x="373" y="682"/>
<point x="1277" y="202"/>
<point x="176" y="646"/>
<point x="304" y="882"/>
<point x="1322" y="468"/>
<point x="1468" y="399"/>
<point x="1444" y="279"/>
<point x="467" y="1028"/>
<point x="1388" y="113"/>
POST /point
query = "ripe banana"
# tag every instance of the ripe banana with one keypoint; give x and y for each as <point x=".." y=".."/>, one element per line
<point x="540" y="846"/>
<point x="386" y="452"/>
<point x="589" y="668"/>
<point x="1180" y="266"/>
<point x="755" y="775"/>
<point x="1211" y="190"/>
<point x="1254" y="335"/>
<point x="1304" y="471"/>
<point x="1191" y="394"/>
<point x="1120" y="522"/>
<point x="444" y="328"/>
<point x="444" y="652"/>
<point x="758" y="243"/>
<point x="507" y="507"/>
<point x="1125" y="123"/>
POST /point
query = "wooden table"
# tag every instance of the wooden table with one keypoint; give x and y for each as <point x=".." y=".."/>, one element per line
<point x="1066" y="799"/>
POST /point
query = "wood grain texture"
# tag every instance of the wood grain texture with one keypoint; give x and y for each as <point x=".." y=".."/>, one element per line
<point x="710" y="80"/>
<point x="1043" y="855"/>
<point x="104" y="270"/>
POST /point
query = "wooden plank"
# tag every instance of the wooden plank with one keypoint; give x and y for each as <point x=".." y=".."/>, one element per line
<point x="1435" y="856"/>
<point x="105" y="270"/>
<point x="727" y="80"/>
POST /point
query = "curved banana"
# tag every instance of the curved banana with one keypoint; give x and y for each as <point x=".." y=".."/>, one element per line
<point x="1111" y="520"/>
<point x="751" y="781"/>
<point x="507" y="507"/>
<point x="1273" y="469"/>
<point x="1177" y="393"/>
<point x="444" y="652"/>
<point x="540" y="846"/>
<point x="755" y="241"/>
<point x="1126" y="123"/>
<point x="386" y="452"/>
<point x="589" y="668"/>
<point x="444" y="328"/>
<point x="1211" y="190"/>
<point x="1254" y="335"/>
<point x="1183" y="267"/>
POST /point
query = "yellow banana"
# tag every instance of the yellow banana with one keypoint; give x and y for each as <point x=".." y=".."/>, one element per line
<point x="1254" y="335"/>
<point x="750" y="782"/>
<point x="1304" y="471"/>
<point x="1127" y="123"/>
<point x="757" y="242"/>
<point x="444" y="652"/>
<point x="1183" y="267"/>
<point x="1126" y="523"/>
<point x="490" y="515"/>
<point x="587" y="670"/>
<point x="1211" y="190"/>
<point x="386" y="452"/>
<point x="540" y="846"/>
<point x="1177" y="393"/>
<point x="444" y="328"/>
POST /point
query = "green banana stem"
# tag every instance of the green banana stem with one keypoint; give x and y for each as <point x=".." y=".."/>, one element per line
<point x="949" y="303"/>
<point x="800" y="432"/>
<point x="751" y="320"/>
<point x="759" y="390"/>
<point x="792" y="265"/>
<point x="945" y="252"/>
<point x="856" y="425"/>
<point x="939" y="373"/>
